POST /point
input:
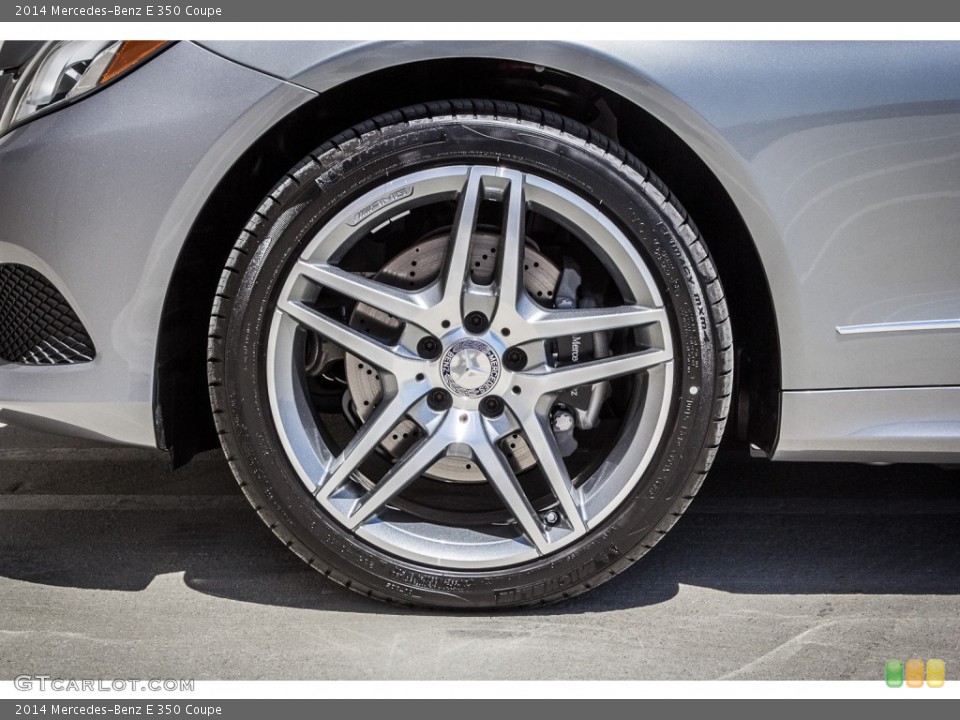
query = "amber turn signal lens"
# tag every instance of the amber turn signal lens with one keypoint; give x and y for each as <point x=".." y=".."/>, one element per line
<point x="130" y="53"/>
<point x="914" y="673"/>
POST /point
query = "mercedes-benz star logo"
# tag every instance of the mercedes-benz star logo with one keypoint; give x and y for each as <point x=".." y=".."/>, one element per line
<point x="470" y="368"/>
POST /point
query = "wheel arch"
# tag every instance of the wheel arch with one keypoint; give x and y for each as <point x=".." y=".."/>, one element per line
<point x="182" y="414"/>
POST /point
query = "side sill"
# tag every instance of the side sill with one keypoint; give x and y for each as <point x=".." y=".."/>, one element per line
<point x="874" y="425"/>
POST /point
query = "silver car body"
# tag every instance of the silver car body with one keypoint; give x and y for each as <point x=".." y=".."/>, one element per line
<point x="843" y="160"/>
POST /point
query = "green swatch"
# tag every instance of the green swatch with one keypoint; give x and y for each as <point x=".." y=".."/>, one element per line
<point x="894" y="673"/>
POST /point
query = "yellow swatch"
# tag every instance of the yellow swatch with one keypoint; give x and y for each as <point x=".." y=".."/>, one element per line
<point x="936" y="670"/>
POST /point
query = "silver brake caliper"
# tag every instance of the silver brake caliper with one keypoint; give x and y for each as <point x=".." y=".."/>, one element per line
<point x="577" y="408"/>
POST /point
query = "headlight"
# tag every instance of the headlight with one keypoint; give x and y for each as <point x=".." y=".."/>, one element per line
<point x="65" y="70"/>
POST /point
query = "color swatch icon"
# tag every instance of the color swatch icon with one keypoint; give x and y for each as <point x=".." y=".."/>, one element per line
<point x="896" y="672"/>
<point x="936" y="672"/>
<point x="914" y="673"/>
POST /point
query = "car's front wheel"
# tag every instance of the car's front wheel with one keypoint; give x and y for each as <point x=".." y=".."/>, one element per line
<point x="470" y="354"/>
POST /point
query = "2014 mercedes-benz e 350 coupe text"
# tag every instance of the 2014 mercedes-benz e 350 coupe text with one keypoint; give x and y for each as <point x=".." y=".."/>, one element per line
<point x="470" y="319"/>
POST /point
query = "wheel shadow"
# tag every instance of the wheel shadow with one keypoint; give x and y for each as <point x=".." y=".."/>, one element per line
<point x="757" y="528"/>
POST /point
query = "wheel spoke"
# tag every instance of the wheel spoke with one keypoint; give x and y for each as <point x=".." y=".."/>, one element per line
<point x="420" y="457"/>
<point x="505" y="482"/>
<point x="368" y="437"/>
<point x="510" y="263"/>
<point x="561" y="378"/>
<point x="349" y="339"/>
<point x="457" y="263"/>
<point x="545" y="324"/>
<point x="403" y="305"/>
<point x="544" y="447"/>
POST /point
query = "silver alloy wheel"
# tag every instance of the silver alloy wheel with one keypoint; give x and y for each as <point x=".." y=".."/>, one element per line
<point x="471" y="368"/>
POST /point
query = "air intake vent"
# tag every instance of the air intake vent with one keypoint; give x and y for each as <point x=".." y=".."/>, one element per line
<point x="37" y="324"/>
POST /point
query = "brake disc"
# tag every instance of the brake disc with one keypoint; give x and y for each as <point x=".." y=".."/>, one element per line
<point x="413" y="269"/>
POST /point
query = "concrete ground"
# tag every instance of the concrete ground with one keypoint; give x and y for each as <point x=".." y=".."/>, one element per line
<point x="112" y="565"/>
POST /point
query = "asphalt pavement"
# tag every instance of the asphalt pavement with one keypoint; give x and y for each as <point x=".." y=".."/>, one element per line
<point x="114" y="565"/>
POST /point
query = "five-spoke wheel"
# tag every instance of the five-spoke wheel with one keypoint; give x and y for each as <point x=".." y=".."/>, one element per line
<point x="465" y="400"/>
<point x="475" y="370"/>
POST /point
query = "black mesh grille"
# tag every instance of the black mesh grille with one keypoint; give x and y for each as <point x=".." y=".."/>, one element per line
<point x="37" y="324"/>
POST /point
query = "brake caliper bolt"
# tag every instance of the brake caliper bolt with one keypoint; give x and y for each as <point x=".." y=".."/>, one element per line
<point x="439" y="399"/>
<point x="428" y="348"/>
<point x="491" y="406"/>
<point x="552" y="517"/>
<point x="476" y="322"/>
<point x="515" y="359"/>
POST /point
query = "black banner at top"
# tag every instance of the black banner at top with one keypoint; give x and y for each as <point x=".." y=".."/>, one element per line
<point x="541" y="11"/>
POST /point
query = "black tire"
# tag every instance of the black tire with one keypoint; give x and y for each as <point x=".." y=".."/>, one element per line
<point x="428" y="136"/>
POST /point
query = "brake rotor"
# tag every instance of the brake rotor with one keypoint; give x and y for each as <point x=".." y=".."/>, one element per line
<point x="414" y="269"/>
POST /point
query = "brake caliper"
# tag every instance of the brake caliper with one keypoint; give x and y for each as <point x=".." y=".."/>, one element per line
<point x="577" y="408"/>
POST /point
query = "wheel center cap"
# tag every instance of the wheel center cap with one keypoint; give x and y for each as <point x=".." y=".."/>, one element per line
<point x="470" y="368"/>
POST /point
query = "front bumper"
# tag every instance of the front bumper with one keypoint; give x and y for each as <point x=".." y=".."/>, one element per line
<point x="99" y="198"/>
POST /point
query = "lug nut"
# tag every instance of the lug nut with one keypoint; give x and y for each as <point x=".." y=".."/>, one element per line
<point x="476" y="322"/>
<point x="428" y="348"/>
<point x="491" y="406"/>
<point x="515" y="359"/>
<point x="439" y="399"/>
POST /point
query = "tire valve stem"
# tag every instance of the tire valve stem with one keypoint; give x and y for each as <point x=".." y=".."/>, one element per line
<point x="551" y="518"/>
